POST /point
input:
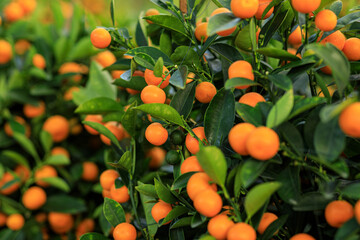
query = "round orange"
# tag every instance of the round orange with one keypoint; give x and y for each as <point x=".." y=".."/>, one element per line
<point x="60" y="151"/>
<point x="151" y="79"/>
<point x="8" y="177"/>
<point x="39" y="61"/>
<point x="205" y="92"/>
<point x="241" y="69"/>
<point x="107" y="178"/>
<point x="46" y="171"/>
<point x="244" y="8"/>
<point x="124" y="231"/>
<point x="219" y="226"/>
<point x="263" y="143"/>
<point x="201" y="32"/>
<point x="58" y="127"/>
<point x="13" y="12"/>
<point x="305" y="6"/>
<point x="60" y="222"/>
<point x="100" y="38"/>
<point x="190" y="164"/>
<point x="295" y="37"/>
<point x="302" y="236"/>
<point x="156" y="134"/>
<point x="263" y="4"/>
<point x="266" y="219"/>
<point x="336" y="38"/>
<point x="121" y="195"/>
<point x="238" y="136"/>
<point x="34" y="198"/>
<point x="151" y="12"/>
<point x="157" y="157"/>
<point x="349" y="120"/>
<point x="153" y="94"/>
<point x="326" y="20"/>
<point x="251" y="99"/>
<point x="105" y="59"/>
<point x="241" y="231"/>
<point x="5" y="52"/>
<point x="197" y="183"/>
<point x="15" y="221"/>
<point x="31" y="111"/>
<point x="90" y="171"/>
<point x="160" y="210"/>
<point x="208" y="203"/>
<point x="191" y="143"/>
<point x="338" y="212"/>
<point x="226" y="32"/>
<point x="351" y="49"/>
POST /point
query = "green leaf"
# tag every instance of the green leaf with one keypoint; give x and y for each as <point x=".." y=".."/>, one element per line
<point x="151" y="51"/>
<point x="311" y="201"/>
<point x="174" y="213"/>
<point x="220" y="22"/>
<point x="275" y="226"/>
<point x="46" y="140"/>
<point x="347" y="230"/>
<point x="329" y="112"/>
<point x="219" y="117"/>
<point x="290" y="190"/>
<point x="16" y="157"/>
<point x="144" y="60"/>
<point x="227" y="51"/>
<point x="292" y="135"/>
<point x="281" y="110"/>
<point x="277" y="53"/>
<point x="181" y="181"/>
<point x="183" y="100"/>
<point x="351" y="191"/>
<point x="168" y="22"/>
<point x="125" y="162"/>
<point x="147" y="203"/>
<point x="248" y="173"/>
<point x="164" y="193"/>
<point x="57" y="182"/>
<point x="166" y="42"/>
<point x="336" y="7"/>
<point x="329" y="140"/>
<point x="249" y="114"/>
<point x="162" y="111"/>
<point x="26" y="144"/>
<point x="136" y="83"/>
<point x="112" y="12"/>
<point x="120" y="64"/>
<point x="57" y="160"/>
<point x="101" y="105"/>
<point x="182" y="222"/>
<point x="281" y="81"/>
<point x="243" y="40"/>
<point x="212" y="160"/>
<point x="129" y="120"/>
<point x="147" y="190"/>
<point x="113" y="212"/>
<point x="179" y="77"/>
<point x="258" y="196"/>
<point x="93" y="236"/>
<point x="103" y="130"/>
<point x="239" y="82"/>
<point x="158" y="69"/>
<point x="185" y="55"/>
<point x="305" y="104"/>
<point x="64" y="204"/>
<point x="82" y="49"/>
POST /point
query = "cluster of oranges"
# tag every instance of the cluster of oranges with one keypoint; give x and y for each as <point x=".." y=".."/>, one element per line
<point x="19" y="9"/>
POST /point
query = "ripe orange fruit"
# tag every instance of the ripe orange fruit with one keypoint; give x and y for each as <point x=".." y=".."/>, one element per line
<point x="100" y="38"/>
<point x="60" y="151"/>
<point x="121" y="195"/>
<point x="90" y="171"/>
<point x="107" y="178"/>
<point x="156" y="134"/>
<point x="58" y="127"/>
<point x="262" y="143"/>
<point x="338" y="212"/>
<point x="153" y="94"/>
<point x="357" y="211"/>
<point x="92" y="118"/>
<point x="124" y="231"/>
<point x="241" y="69"/>
<point x="46" y="171"/>
<point x="191" y="143"/>
<point x="201" y="32"/>
<point x="295" y="37"/>
<point x="190" y="164"/>
<point x="205" y="92"/>
<point x="327" y="70"/>
<point x="8" y="130"/>
<point x="266" y="219"/>
<point x="68" y="95"/>
<point x="60" y="222"/>
<point x="160" y="210"/>
<point x="226" y="32"/>
<point x="151" y="12"/>
<point x="28" y="6"/>
<point x="15" y="221"/>
<point x="106" y="193"/>
<point x="219" y="226"/>
<point x="31" y="111"/>
<point x="197" y="183"/>
<point x="351" y="49"/>
<point x="157" y="156"/>
<point x="8" y="177"/>
<point x="302" y="236"/>
<point x="251" y="99"/>
<point x="241" y="231"/>
<point x="3" y="218"/>
<point x="34" y="198"/>
<point x="72" y="67"/>
<point x="117" y="130"/>
<point x="39" y="61"/>
<point x="349" y="120"/>
<point x="85" y="226"/>
<point x="208" y="203"/>
<point x="263" y="4"/>
<point x="336" y="38"/>
<point x="238" y="136"/>
<point x="305" y="6"/>
<point x="326" y="20"/>
<point x="22" y="46"/>
<point x="23" y="172"/>
<point x="13" y="12"/>
<point x="105" y="58"/>
<point x="5" y="52"/>
<point x="151" y="79"/>
<point x="244" y="8"/>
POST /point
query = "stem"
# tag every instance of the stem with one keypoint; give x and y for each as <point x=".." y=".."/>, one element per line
<point x="131" y="188"/>
<point x="236" y="210"/>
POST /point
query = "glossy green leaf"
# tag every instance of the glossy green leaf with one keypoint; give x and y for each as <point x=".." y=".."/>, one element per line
<point x="281" y="110"/>
<point x="351" y="191"/>
<point x="26" y="144"/>
<point x="168" y="22"/>
<point x="226" y="51"/>
<point x="151" y="51"/>
<point x="311" y="201"/>
<point x="277" y="53"/>
<point x="182" y="222"/>
<point x="57" y="160"/>
<point x="305" y="104"/>
<point x="15" y="157"/>
<point x="239" y="82"/>
<point x="164" y="192"/>
<point x="290" y="190"/>
<point x="125" y="162"/>
<point x="57" y="182"/>
<point x="158" y="68"/>
<point x="129" y="119"/>
<point x="99" y="105"/>
<point x="175" y="212"/>
<point x="113" y="212"/>
<point x="183" y="100"/>
<point x="145" y="60"/>
<point x="221" y="22"/>
<point x="147" y="189"/>
<point x="64" y="204"/>
<point x="93" y="236"/>
<point x="46" y="140"/>
<point x="243" y="40"/>
<point x="161" y="111"/>
<point x="249" y="172"/>
<point x="348" y="230"/>
<point x="136" y="83"/>
<point x="181" y="181"/>
<point x="293" y="137"/>
<point x="179" y="77"/>
<point x="147" y="203"/>
<point x="166" y="42"/>
<point x="185" y="55"/>
<point x="249" y="114"/>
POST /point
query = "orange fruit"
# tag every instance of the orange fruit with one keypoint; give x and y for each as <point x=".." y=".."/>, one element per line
<point x="241" y="69"/>
<point x="152" y="94"/>
<point x="39" y="61"/>
<point x="338" y="212"/>
<point x="117" y="73"/>
<point x="60" y="151"/>
<point x="219" y="226"/>
<point x="8" y="177"/>
<point x="8" y="130"/>
<point x="205" y="92"/>
<point x="151" y="79"/>
<point x="107" y="178"/>
<point x="58" y="127"/>
<point x="151" y="12"/>
<point x="349" y="120"/>
<point x="157" y="157"/>
<point x="28" y="6"/>
<point x="251" y="99"/>
<point x="46" y="171"/>
<point x="160" y="210"/>
<point x="197" y="183"/>
<point x="208" y="203"/>
<point x="357" y="211"/>
<point x="263" y="143"/>
<point x="266" y="219"/>
<point x="191" y="143"/>
<point x="105" y="59"/>
<point x="302" y="236"/>
<point x="326" y="20"/>
<point x="41" y="217"/>
<point x="90" y="171"/>
<point x="190" y="77"/>
<point x="351" y="49"/>
<point x="68" y="95"/>
<point x="23" y="172"/>
<point x="305" y="6"/>
<point x="327" y="70"/>
<point x="15" y="221"/>
<point x="5" y="52"/>
<point x="124" y="231"/>
<point x="156" y="134"/>
<point x="117" y="130"/>
<point x="31" y="111"/>
<point x="336" y="38"/>
<point x="85" y="226"/>
<point x="201" y="32"/>
<point x="295" y="37"/>
<point x="263" y="4"/>
<point x="22" y="46"/>
<point x="92" y="118"/>
<point x="241" y="231"/>
<point x="121" y="195"/>
<point x="238" y="136"/>
<point x="3" y="218"/>
<point x="72" y="67"/>
<point x="100" y="38"/>
<point x="244" y="8"/>
<point x="60" y="222"/>
<point x="106" y="193"/>
<point x="13" y="12"/>
<point x="226" y="32"/>
<point x="190" y="164"/>
<point x="34" y="198"/>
